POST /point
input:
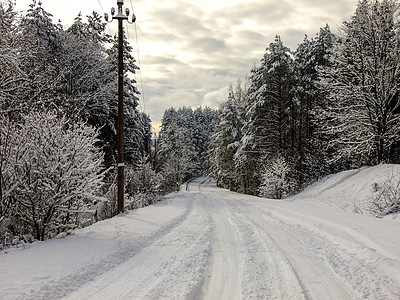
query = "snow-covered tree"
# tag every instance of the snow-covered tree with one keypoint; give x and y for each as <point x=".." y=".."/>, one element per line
<point x="204" y="127"/>
<point x="226" y="137"/>
<point x="86" y="77"/>
<point x="183" y="143"/>
<point x="133" y="133"/>
<point x="38" y="43"/>
<point x="363" y="83"/>
<point x="176" y="148"/>
<point x="50" y="173"/>
<point x="143" y="184"/>
<point x="310" y="56"/>
<point x="144" y="136"/>
<point x="12" y="78"/>
<point x="271" y="121"/>
<point x="276" y="181"/>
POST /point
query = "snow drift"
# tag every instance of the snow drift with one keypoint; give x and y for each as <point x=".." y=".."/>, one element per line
<point x="350" y="190"/>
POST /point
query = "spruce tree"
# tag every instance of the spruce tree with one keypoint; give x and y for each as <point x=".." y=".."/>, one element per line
<point x="226" y="138"/>
<point x="310" y="56"/>
<point x="12" y="77"/>
<point x="270" y="127"/>
<point x="39" y="43"/>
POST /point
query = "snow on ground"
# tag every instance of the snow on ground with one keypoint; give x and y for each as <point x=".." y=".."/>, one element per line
<point x="349" y="190"/>
<point x="209" y="243"/>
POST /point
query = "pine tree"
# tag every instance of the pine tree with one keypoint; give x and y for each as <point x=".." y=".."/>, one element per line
<point x="183" y="144"/>
<point x="12" y="78"/>
<point x="176" y="149"/>
<point x="204" y="127"/>
<point x="310" y="56"/>
<point x="39" y="43"/>
<point x="271" y="114"/>
<point x="146" y="136"/>
<point x="225" y="140"/>
<point x="132" y="120"/>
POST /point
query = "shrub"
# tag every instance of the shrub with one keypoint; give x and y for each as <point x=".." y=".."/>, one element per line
<point x="50" y="174"/>
<point x="385" y="198"/>
<point x="143" y="185"/>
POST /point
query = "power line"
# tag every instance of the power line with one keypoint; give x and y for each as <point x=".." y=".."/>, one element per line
<point x="140" y="68"/>
<point x="108" y="27"/>
<point x="134" y="74"/>
<point x="139" y="62"/>
<point x="101" y="6"/>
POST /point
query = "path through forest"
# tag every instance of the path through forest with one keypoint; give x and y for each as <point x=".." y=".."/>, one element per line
<point x="209" y="243"/>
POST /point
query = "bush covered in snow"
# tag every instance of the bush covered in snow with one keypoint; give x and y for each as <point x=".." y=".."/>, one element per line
<point x="143" y="185"/>
<point x="50" y="175"/>
<point x="385" y="198"/>
<point x="276" y="180"/>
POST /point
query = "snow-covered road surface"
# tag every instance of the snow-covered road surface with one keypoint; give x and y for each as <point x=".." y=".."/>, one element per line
<point x="209" y="243"/>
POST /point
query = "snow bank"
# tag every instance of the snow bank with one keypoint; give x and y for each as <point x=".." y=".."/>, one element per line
<point x="55" y="268"/>
<point x="349" y="190"/>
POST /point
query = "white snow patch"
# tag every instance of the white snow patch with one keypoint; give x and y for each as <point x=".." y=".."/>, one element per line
<point x="349" y="190"/>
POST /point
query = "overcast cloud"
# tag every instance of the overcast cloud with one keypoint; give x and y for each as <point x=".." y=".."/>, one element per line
<point x="190" y="51"/>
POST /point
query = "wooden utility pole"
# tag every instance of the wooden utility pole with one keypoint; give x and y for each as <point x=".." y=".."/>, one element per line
<point x="121" y="16"/>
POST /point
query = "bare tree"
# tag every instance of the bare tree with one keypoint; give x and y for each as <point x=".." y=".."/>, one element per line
<point x="363" y="83"/>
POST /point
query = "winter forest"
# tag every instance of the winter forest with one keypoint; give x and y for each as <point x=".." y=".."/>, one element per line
<point x="330" y="105"/>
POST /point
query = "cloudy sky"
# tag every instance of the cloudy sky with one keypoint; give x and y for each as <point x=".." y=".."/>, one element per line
<point x="191" y="50"/>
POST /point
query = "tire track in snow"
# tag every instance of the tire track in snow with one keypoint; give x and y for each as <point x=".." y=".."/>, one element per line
<point x="338" y="273"/>
<point x="307" y="281"/>
<point x="171" y="267"/>
<point x="361" y="275"/>
<point x="223" y="278"/>
<point x="270" y="274"/>
<point x="327" y="261"/>
<point x="316" y="279"/>
<point x="88" y="273"/>
<point x="266" y="272"/>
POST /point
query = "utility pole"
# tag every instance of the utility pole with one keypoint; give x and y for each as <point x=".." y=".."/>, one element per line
<point x="121" y="16"/>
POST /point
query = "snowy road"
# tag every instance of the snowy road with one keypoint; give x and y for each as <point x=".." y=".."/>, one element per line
<point x="209" y="243"/>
